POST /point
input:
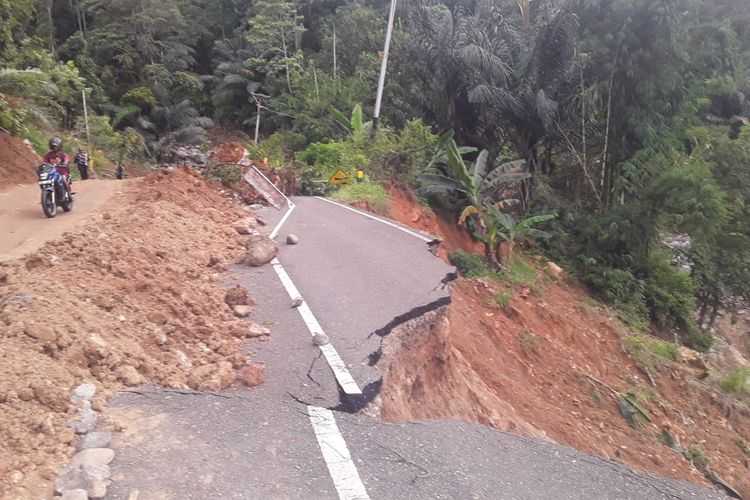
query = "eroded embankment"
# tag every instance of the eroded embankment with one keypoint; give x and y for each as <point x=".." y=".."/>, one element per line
<point x="547" y="366"/>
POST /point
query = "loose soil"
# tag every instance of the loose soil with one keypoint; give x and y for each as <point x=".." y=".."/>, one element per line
<point x="132" y="297"/>
<point x="545" y="366"/>
<point x="18" y="162"/>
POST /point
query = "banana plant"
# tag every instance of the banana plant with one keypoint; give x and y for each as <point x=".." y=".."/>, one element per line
<point x="503" y="226"/>
<point x="449" y="173"/>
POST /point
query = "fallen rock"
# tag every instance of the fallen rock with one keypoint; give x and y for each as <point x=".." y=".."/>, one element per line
<point x="292" y="239"/>
<point x="84" y="392"/>
<point x="92" y="457"/>
<point x="95" y="440"/>
<point x="42" y="333"/>
<point x="320" y="339"/>
<point x="157" y="318"/>
<point x="242" y="311"/>
<point x="77" y="494"/>
<point x="212" y="377"/>
<point x="86" y="421"/>
<point x="297" y="302"/>
<point x="255" y="330"/>
<point x="253" y="374"/>
<point x="25" y="394"/>
<point x="97" y="489"/>
<point x="238" y="296"/>
<point x="129" y="376"/>
<point x="3" y="278"/>
<point x="51" y="396"/>
<point x="260" y="251"/>
<point x="242" y="229"/>
<point x="554" y="270"/>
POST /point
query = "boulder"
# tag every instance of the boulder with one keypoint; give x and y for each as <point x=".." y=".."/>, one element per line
<point x="254" y="330"/>
<point x="129" y="376"/>
<point x="320" y="339"/>
<point x="212" y="377"/>
<point x="260" y="251"/>
<point x="292" y="239"/>
<point x="242" y="311"/>
<point x="95" y="440"/>
<point x="238" y="296"/>
<point x="42" y="333"/>
<point x="554" y="270"/>
<point x="84" y="392"/>
<point x="253" y="374"/>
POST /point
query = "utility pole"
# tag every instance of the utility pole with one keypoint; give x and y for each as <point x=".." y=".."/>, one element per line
<point x="258" y="106"/>
<point x="334" y="52"/>
<point x="384" y="66"/>
<point x="86" y="119"/>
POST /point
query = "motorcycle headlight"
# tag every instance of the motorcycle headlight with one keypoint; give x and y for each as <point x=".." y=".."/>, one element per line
<point x="43" y="176"/>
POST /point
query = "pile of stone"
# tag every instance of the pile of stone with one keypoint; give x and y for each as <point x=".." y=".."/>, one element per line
<point x="88" y="474"/>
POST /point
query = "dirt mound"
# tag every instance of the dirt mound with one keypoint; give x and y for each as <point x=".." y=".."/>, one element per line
<point x="18" y="162"/>
<point x="129" y="299"/>
<point x="404" y="208"/>
<point x="229" y="152"/>
<point x="536" y="368"/>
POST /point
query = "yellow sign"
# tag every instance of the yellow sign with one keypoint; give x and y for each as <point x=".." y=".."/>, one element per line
<point x="340" y="178"/>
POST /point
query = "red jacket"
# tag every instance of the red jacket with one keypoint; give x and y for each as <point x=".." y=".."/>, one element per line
<point x="60" y="159"/>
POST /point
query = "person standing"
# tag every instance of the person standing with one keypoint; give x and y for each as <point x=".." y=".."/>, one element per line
<point x="82" y="161"/>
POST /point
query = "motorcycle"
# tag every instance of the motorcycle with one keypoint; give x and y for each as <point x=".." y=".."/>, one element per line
<point x="55" y="190"/>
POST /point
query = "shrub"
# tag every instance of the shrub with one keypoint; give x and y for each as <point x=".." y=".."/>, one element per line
<point x="621" y="289"/>
<point x="503" y="298"/>
<point x="519" y="272"/>
<point x="368" y="192"/>
<point x="669" y="293"/>
<point x="737" y="382"/>
<point x="470" y="265"/>
<point x="698" y="340"/>
<point x="649" y="352"/>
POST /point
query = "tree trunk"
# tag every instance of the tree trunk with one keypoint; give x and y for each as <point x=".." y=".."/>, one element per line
<point x="286" y="61"/>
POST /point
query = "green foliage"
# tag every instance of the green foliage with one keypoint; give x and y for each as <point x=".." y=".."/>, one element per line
<point x="669" y="293"/>
<point x="503" y="298"/>
<point x="143" y="97"/>
<point x="696" y="456"/>
<point x="280" y="148"/>
<point x="370" y="193"/>
<point x="650" y="350"/>
<point x="619" y="288"/>
<point x="469" y="264"/>
<point x="737" y="382"/>
<point x="518" y="271"/>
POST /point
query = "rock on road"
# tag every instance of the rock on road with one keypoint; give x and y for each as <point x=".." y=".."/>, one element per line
<point x="356" y="275"/>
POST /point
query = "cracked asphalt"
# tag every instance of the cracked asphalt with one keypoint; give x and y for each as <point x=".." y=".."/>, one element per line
<point x="358" y="276"/>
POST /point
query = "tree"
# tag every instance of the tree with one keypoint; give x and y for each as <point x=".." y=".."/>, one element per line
<point x="273" y="33"/>
<point x="448" y="173"/>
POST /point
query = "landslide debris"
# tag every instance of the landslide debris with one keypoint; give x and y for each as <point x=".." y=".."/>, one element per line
<point x="135" y="297"/>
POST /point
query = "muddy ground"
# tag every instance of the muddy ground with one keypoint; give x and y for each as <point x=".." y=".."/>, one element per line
<point x="132" y="296"/>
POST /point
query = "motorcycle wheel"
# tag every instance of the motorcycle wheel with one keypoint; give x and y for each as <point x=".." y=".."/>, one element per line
<point x="67" y="205"/>
<point x="48" y="204"/>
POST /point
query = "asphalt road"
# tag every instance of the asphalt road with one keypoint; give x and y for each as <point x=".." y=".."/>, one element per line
<point x="356" y="275"/>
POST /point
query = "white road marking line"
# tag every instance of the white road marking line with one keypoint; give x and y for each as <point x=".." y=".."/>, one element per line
<point x="344" y="378"/>
<point x="276" y="230"/>
<point x="336" y="455"/>
<point x="386" y="222"/>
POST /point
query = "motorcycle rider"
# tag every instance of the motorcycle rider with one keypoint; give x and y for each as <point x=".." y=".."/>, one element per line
<point x="56" y="156"/>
